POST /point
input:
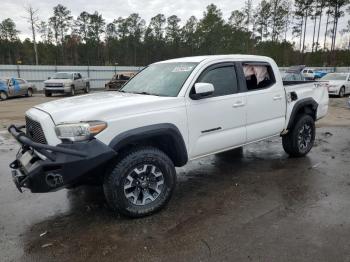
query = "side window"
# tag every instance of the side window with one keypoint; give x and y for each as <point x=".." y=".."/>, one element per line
<point x="305" y="71"/>
<point x="79" y="75"/>
<point x="224" y="80"/>
<point x="258" y="76"/>
<point x="311" y="72"/>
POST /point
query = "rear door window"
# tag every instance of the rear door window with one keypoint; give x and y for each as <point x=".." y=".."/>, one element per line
<point x="258" y="75"/>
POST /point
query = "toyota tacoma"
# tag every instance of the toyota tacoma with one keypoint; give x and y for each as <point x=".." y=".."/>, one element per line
<point x="130" y="141"/>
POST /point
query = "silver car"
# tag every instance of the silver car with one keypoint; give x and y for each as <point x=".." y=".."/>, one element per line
<point x="10" y="87"/>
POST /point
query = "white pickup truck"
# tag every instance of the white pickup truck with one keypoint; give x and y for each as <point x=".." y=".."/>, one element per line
<point x="131" y="140"/>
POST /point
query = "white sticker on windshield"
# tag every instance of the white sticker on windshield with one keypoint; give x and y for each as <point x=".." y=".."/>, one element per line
<point x="182" y="69"/>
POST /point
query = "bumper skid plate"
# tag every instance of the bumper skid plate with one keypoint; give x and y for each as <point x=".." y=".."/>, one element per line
<point x="44" y="168"/>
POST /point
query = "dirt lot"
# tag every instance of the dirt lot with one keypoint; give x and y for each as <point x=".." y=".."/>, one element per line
<point x="259" y="206"/>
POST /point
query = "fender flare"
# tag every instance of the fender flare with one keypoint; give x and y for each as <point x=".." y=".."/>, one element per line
<point x="147" y="132"/>
<point x="299" y="105"/>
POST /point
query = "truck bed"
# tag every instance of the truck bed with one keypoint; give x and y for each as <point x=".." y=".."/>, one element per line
<point x="306" y="90"/>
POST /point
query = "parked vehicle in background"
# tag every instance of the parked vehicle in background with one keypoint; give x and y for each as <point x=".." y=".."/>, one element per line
<point x="319" y="74"/>
<point x="118" y="80"/>
<point x="312" y="74"/>
<point x="66" y="83"/>
<point x="10" y="87"/>
<point x="337" y="83"/>
<point x="171" y="112"/>
<point x="293" y="73"/>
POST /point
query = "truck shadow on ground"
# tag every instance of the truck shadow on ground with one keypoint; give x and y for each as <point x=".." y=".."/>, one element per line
<point x="223" y="187"/>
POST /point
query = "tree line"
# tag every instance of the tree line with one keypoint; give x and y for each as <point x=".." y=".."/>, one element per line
<point x="276" y="28"/>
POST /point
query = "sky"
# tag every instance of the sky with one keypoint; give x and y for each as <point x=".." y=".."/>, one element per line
<point x="112" y="9"/>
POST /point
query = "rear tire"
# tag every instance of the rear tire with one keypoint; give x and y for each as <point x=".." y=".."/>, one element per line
<point x="300" y="139"/>
<point x="342" y="91"/>
<point x="3" y="95"/>
<point x="141" y="183"/>
<point x="29" y="92"/>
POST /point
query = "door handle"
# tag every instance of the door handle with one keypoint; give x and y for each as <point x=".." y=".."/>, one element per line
<point x="278" y="97"/>
<point x="238" y="104"/>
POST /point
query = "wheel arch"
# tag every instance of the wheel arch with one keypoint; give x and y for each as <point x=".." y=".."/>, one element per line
<point x="165" y="136"/>
<point x="304" y="106"/>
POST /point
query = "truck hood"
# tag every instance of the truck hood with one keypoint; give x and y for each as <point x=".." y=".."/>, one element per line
<point x="106" y="106"/>
<point x="53" y="81"/>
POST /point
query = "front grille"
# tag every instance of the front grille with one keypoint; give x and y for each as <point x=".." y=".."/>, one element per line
<point x="54" y="85"/>
<point x="34" y="131"/>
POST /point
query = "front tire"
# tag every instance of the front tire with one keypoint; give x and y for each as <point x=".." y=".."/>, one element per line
<point x="342" y="91"/>
<point x="3" y="95"/>
<point x="141" y="183"/>
<point x="72" y="91"/>
<point x="87" y="88"/>
<point x="48" y="94"/>
<point x="300" y="139"/>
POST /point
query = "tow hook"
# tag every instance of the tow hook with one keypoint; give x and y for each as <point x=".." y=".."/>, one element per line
<point x="17" y="178"/>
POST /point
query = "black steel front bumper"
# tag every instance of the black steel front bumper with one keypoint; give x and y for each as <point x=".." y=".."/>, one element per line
<point x="61" y="166"/>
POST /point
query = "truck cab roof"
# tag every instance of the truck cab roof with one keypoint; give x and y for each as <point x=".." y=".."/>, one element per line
<point x="210" y="58"/>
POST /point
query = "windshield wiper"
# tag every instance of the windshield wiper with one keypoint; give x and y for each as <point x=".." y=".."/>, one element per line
<point x="142" y="93"/>
<point x="138" y="93"/>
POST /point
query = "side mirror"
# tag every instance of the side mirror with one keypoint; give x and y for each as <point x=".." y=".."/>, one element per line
<point x="202" y="90"/>
<point x="49" y="78"/>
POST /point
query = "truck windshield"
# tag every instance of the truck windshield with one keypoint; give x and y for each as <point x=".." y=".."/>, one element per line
<point x="333" y="76"/>
<point x="164" y="79"/>
<point x="62" y="76"/>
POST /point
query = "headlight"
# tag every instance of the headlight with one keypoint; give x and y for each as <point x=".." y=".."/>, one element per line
<point x="67" y="84"/>
<point x="80" y="131"/>
<point x="332" y="87"/>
